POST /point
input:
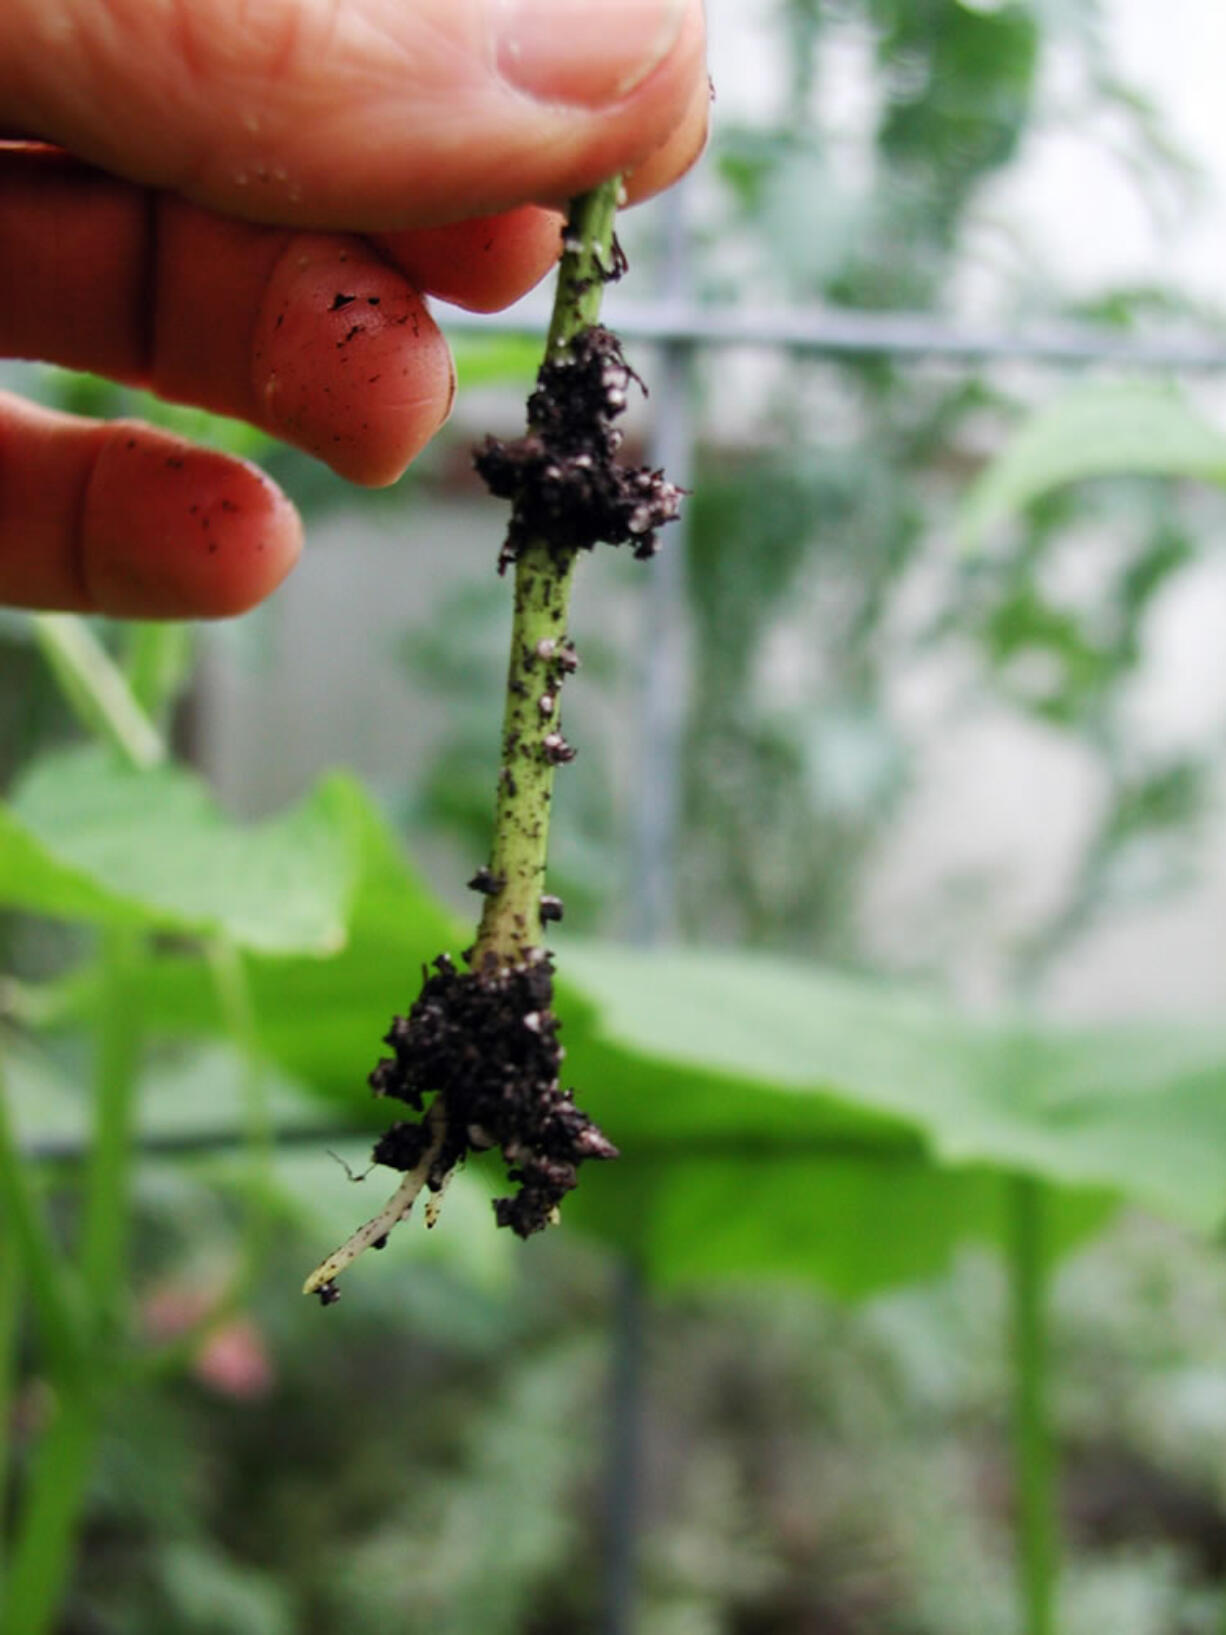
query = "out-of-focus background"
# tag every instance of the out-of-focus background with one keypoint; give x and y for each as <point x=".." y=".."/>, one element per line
<point x="913" y="737"/>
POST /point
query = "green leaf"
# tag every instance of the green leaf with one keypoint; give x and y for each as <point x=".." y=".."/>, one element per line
<point x="495" y="360"/>
<point x="1140" y="1111"/>
<point x="87" y="838"/>
<point x="322" y="1020"/>
<point x="1095" y="431"/>
<point x="774" y="1119"/>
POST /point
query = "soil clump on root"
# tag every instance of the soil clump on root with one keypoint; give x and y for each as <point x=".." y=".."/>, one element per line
<point x="484" y="1042"/>
<point x="562" y="477"/>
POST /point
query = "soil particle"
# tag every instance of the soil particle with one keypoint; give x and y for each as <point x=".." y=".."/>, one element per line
<point x="566" y="489"/>
<point x="401" y="1147"/>
<point x="340" y="300"/>
<point x="484" y="1042"/>
<point x="487" y="882"/>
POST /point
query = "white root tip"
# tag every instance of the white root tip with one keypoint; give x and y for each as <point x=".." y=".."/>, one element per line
<point x="434" y="1203"/>
<point x="379" y="1226"/>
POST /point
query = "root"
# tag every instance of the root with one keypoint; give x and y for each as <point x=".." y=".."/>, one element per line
<point x="374" y="1233"/>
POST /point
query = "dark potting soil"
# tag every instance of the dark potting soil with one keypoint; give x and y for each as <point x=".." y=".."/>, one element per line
<point x="485" y="1043"/>
<point x="566" y="488"/>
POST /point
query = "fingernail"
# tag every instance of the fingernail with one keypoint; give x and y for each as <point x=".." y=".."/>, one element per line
<point x="584" y="52"/>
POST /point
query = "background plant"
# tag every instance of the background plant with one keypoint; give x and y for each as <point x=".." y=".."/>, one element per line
<point x="811" y="1463"/>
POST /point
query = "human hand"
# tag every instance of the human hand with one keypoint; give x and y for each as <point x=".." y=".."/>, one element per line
<point x="242" y="208"/>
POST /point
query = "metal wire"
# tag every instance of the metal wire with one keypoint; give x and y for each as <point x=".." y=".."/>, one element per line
<point x="743" y="1147"/>
<point x="834" y="332"/>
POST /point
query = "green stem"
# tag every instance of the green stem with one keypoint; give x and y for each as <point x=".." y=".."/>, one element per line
<point x="55" y="1493"/>
<point x="56" y="1487"/>
<point x="157" y="661"/>
<point x="511" y="923"/>
<point x="42" y="1558"/>
<point x="233" y="988"/>
<point x="54" y="1293"/>
<point x="1034" y="1459"/>
<point x="95" y="689"/>
<point x="10" y="1321"/>
<point x="104" y="1233"/>
<point x="82" y="1356"/>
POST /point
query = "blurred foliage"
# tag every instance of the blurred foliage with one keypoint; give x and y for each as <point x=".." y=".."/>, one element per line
<point x="844" y="1101"/>
<point x="432" y="1456"/>
<point x="807" y="560"/>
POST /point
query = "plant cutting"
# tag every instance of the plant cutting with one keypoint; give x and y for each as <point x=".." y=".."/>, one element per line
<point x="480" y="1043"/>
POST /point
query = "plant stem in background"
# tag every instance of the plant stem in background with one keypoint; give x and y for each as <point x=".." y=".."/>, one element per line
<point x="158" y="660"/>
<point x="55" y="1493"/>
<point x="95" y="689"/>
<point x="104" y="1231"/>
<point x="57" y="1298"/>
<point x="42" y="1558"/>
<point x="10" y="1327"/>
<point x="1034" y="1464"/>
<point x="82" y="1326"/>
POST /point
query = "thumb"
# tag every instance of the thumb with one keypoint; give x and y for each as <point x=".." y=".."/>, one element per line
<point x="356" y="114"/>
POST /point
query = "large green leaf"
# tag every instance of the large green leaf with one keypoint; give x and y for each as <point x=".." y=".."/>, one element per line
<point x="1141" y="1110"/>
<point x="1099" y="430"/>
<point x="87" y="838"/>
<point x="773" y="1118"/>
<point x="321" y="1019"/>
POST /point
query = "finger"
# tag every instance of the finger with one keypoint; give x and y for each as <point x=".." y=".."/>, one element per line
<point x="330" y="347"/>
<point x="679" y="154"/>
<point x="484" y="263"/>
<point x="125" y="520"/>
<point x="241" y="320"/>
<point x="371" y="114"/>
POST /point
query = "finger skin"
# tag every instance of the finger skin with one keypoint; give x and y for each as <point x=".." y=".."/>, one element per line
<point x="378" y="116"/>
<point x="483" y="264"/>
<point x="346" y="362"/>
<point x="313" y="336"/>
<point x="367" y="115"/>
<point x="125" y="520"/>
<point x="147" y="289"/>
<point x="679" y="154"/>
<point x="74" y="262"/>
